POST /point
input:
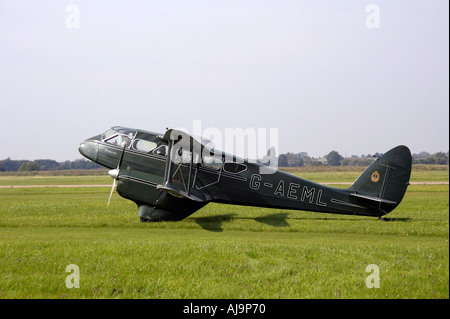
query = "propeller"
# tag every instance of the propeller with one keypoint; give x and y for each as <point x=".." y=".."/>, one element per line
<point x="114" y="173"/>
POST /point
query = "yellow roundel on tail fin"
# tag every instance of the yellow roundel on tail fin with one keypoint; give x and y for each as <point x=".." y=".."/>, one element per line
<point x="375" y="177"/>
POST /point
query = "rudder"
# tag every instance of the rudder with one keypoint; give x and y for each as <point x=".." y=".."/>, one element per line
<point x="385" y="181"/>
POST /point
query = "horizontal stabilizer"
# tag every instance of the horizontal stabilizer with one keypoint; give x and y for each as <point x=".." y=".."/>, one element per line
<point x="376" y="199"/>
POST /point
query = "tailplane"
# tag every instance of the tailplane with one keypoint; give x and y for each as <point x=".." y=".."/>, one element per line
<point x="385" y="181"/>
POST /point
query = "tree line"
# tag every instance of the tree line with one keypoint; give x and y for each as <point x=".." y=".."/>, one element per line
<point x="335" y="159"/>
<point x="284" y="160"/>
<point x="10" y="165"/>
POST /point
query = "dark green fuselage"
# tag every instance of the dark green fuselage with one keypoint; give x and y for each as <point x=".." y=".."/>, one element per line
<point x="143" y="160"/>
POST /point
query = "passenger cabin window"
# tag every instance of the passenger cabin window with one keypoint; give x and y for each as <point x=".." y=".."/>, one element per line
<point x="162" y="150"/>
<point x="182" y="156"/>
<point x="235" y="168"/>
<point x="214" y="162"/>
<point x="143" y="145"/>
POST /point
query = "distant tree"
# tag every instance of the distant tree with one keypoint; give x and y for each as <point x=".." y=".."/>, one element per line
<point x="440" y="158"/>
<point x="334" y="159"/>
<point x="282" y="160"/>
<point x="377" y="154"/>
<point x="84" y="164"/>
<point x="294" y="160"/>
<point x="28" y="166"/>
<point x="65" y="165"/>
<point x="423" y="154"/>
<point x="47" y="164"/>
<point x="11" y="165"/>
<point x="303" y="154"/>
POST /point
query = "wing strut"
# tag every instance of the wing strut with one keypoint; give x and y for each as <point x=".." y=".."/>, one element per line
<point x="180" y="172"/>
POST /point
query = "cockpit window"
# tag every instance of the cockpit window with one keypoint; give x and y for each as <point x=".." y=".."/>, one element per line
<point x="108" y="134"/>
<point x="119" y="140"/>
<point x="119" y="136"/>
<point x="125" y="131"/>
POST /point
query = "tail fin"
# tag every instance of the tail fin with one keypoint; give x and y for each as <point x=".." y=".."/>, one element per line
<point x="385" y="181"/>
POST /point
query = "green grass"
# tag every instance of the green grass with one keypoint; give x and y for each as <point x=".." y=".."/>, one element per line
<point x="44" y="179"/>
<point x="222" y="251"/>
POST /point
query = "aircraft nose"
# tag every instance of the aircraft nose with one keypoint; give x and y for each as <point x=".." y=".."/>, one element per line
<point x="88" y="150"/>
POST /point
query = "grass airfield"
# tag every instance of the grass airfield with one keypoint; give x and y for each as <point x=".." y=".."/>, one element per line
<point x="222" y="251"/>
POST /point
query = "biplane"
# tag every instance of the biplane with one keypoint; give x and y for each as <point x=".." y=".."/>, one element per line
<point x="172" y="175"/>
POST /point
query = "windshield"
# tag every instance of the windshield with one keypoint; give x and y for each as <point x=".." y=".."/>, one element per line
<point x="119" y="136"/>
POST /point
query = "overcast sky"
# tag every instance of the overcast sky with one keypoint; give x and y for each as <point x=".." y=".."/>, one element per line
<point x="329" y="75"/>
